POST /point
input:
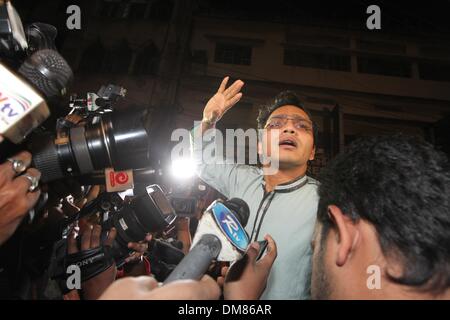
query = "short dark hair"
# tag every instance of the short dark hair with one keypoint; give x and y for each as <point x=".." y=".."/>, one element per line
<point x="284" y="98"/>
<point x="401" y="185"/>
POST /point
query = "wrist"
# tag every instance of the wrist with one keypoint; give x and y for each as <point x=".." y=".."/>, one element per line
<point x="209" y="123"/>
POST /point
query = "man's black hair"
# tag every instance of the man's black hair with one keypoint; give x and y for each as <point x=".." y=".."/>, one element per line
<point x="400" y="185"/>
<point x="284" y="98"/>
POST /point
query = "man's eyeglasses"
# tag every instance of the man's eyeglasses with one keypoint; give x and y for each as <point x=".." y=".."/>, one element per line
<point x="279" y="121"/>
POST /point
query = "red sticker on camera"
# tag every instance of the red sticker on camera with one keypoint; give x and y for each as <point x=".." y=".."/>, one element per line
<point x="118" y="180"/>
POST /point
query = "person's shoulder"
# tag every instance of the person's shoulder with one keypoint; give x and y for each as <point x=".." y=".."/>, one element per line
<point x="249" y="170"/>
<point x="312" y="182"/>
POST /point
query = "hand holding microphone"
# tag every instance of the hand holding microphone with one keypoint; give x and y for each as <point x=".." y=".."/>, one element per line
<point x="220" y="236"/>
<point x="246" y="279"/>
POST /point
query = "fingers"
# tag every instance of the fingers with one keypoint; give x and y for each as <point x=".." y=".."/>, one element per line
<point x="32" y="197"/>
<point x="138" y="247"/>
<point x="86" y="238"/>
<point x="271" y="245"/>
<point x="22" y="182"/>
<point x="111" y="236"/>
<point x="233" y="101"/>
<point x="220" y="281"/>
<point x="223" y="85"/>
<point x="69" y="208"/>
<point x="252" y="251"/>
<point x="6" y="169"/>
<point x="91" y="238"/>
<point x="133" y="257"/>
<point x="233" y="89"/>
<point x="209" y="288"/>
<point x="72" y="242"/>
<point x="271" y="254"/>
<point x="95" y="237"/>
<point x="224" y="271"/>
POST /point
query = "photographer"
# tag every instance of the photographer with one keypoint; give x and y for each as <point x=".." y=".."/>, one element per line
<point x="18" y="192"/>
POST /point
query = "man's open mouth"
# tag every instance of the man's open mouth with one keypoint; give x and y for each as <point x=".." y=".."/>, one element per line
<point x="288" y="143"/>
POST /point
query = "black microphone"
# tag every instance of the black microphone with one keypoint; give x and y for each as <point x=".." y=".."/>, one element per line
<point x="48" y="72"/>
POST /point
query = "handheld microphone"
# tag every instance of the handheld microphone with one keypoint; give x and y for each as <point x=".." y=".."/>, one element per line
<point x="220" y="236"/>
<point x="226" y="220"/>
<point x="48" y="72"/>
<point x="22" y="109"/>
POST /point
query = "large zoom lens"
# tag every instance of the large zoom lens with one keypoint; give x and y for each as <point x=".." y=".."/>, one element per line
<point x="117" y="140"/>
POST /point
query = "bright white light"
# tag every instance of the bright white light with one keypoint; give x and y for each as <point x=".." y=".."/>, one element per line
<point x="183" y="168"/>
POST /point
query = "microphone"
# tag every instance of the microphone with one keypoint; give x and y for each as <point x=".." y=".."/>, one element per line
<point x="48" y="72"/>
<point x="196" y="262"/>
<point x="226" y="220"/>
<point x="22" y="109"/>
<point x="220" y="236"/>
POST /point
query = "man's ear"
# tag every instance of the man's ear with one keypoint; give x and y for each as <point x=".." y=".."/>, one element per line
<point x="260" y="151"/>
<point x="347" y="234"/>
<point x="313" y="153"/>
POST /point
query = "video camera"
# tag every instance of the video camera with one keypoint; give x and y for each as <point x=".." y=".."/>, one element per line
<point x="132" y="219"/>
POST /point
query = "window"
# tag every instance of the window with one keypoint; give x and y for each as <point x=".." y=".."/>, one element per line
<point x="385" y="66"/>
<point x="161" y="10"/>
<point x="137" y="10"/>
<point x="381" y="47"/>
<point x="435" y="52"/>
<point x="233" y="54"/>
<point x="112" y="9"/>
<point x="437" y="71"/>
<point x="320" y="60"/>
<point x="318" y="40"/>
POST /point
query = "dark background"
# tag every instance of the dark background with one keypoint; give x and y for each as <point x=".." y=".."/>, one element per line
<point x="171" y="56"/>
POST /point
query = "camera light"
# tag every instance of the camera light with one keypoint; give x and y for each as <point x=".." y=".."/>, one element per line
<point x="183" y="168"/>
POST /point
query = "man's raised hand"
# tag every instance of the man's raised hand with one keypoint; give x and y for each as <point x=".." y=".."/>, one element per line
<point x="223" y="100"/>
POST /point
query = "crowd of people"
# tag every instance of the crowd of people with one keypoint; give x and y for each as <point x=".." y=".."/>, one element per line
<point x="374" y="225"/>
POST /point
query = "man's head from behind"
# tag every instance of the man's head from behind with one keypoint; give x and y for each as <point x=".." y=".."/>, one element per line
<point x="288" y="121"/>
<point x="383" y="228"/>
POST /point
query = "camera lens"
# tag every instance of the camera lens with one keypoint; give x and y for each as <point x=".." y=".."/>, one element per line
<point x="117" y="140"/>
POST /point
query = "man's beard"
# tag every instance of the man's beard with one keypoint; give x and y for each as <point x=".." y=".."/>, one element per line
<point x="320" y="279"/>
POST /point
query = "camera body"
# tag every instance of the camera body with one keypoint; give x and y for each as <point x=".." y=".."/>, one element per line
<point x="132" y="219"/>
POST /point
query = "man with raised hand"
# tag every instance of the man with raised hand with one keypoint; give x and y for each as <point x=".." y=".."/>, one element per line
<point x="282" y="202"/>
